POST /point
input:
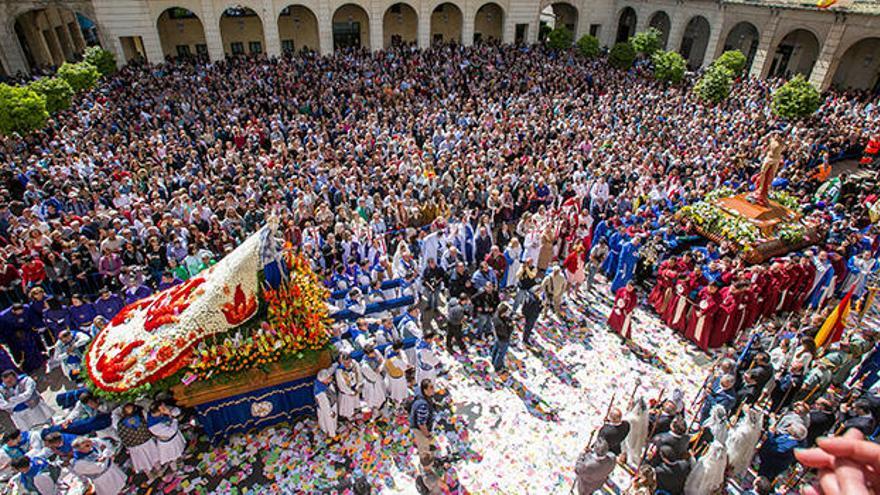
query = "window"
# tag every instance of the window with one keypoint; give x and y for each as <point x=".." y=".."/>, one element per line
<point x="202" y="49"/>
<point x="286" y="46"/>
<point x="183" y="50"/>
<point x="594" y="29"/>
<point x="255" y="47"/>
<point x="346" y="35"/>
<point x="237" y="47"/>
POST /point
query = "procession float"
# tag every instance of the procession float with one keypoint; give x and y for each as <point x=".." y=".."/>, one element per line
<point x="762" y="224"/>
<point x="240" y="343"/>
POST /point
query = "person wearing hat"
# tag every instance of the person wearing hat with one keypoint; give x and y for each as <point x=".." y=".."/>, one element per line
<point x="21" y="399"/>
<point x="349" y="383"/>
<point x="325" y="402"/>
<point x="93" y="460"/>
<point x="372" y="366"/>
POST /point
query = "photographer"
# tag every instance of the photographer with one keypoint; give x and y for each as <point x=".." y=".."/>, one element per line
<point x="457" y="311"/>
<point x="421" y="419"/>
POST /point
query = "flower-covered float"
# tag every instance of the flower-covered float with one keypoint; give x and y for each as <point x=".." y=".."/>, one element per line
<point x="240" y="342"/>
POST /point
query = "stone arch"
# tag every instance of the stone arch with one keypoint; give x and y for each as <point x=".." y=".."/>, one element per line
<point x="626" y="24"/>
<point x="298" y="29"/>
<point x="660" y="21"/>
<point x="241" y="30"/>
<point x="400" y="24"/>
<point x="743" y="36"/>
<point x="859" y="66"/>
<point x="51" y="35"/>
<point x="447" y="22"/>
<point x="489" y="22"/>
<point x="695" y="40"/>
<point x="181" y="33"/>
<point x="351" y="27"/>
<point x="558" y="14"/>
<point x="796" y="53"/>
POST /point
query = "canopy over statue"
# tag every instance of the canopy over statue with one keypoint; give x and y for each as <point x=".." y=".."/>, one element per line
<point x="764" y="223"/>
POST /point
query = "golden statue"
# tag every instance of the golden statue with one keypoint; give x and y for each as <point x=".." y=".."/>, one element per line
<point x="768" y="171"/>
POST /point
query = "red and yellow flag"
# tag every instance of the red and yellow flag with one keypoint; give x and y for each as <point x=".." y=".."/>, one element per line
<point x="832" y="329"/>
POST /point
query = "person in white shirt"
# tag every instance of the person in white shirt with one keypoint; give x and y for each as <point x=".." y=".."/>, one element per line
<point x="93" y="459"/>
<point x="68" y="352"/>
<point x="372" y="367"/>
<point x="162" y="422"/>
<point x="35" y="475"/>
<point x="325" y="402"/>
<point x="395" y="372"/>
<point x="20" y="398"/>
<point x="349" y="383"/>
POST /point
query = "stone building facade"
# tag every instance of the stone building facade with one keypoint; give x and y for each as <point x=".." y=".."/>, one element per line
<point x="837" y="46"/>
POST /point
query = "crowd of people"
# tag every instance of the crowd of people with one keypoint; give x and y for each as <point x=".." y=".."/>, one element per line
<point x="478" y="184"/>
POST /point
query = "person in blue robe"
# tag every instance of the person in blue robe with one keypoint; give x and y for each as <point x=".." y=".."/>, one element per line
<point x="60" y="444"/>
<point x="135" y="292"/>
<point x="18" y="332"/>
<point x="821" y="289"/>
<point x="107" y="305"/>
<point x="56" y="316"/>
<point x="81" y="312"/>
<point x="777" y="451"/>
<point x="601" y="230"/>
<point x="626" y="265"/>
<point x="615" y="243"/>
<point x="168" y="281"/>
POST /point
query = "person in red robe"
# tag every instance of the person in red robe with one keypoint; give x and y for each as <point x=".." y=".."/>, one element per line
<point x="666" y="275"/>
<point x="702" y="325"/>
<point x="773" y="287"/>
<point x="796" y="282"/>
<point x="730" y="314"/>
<point x="809" y="274"/>
<point x="620" y="318"/>
<point x="755" y="300"/>
<point x="676" y="314"/>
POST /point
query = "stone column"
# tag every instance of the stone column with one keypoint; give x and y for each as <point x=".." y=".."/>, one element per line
<point x="716" y="24"/>
<point x="826" y="64"/>
<point x="761" y="63"/>
<point x="377" y="31"/>
<point x="467" y="27"/>
<point x="211" y="25"/>
<point x="641" y="21"/>
<point x="425" y="25"/>
<point x="325" y="28"/>
<point x="677" y="25"/>
<point x="270" y="29"/>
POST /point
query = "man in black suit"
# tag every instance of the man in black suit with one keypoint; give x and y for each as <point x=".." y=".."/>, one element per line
<point x="614" y="431"/>
<point x="672" y="472"/>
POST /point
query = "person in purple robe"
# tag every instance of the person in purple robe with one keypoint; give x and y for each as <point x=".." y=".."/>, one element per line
<point x="56" y="317"/>
<point x="107" y="305"/>
<point x="81" y="311"/>
<point x="18" y="332"/>
<point x="135" y="292"/>
<point x="168" y="280"/>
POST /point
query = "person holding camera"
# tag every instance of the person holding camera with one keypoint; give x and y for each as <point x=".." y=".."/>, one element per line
<point x="421" y="419"/>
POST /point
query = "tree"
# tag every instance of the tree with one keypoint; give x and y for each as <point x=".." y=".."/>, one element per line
<point x="668" y="66"/>
<point x="103" y="60"/>
<point x="733" y="60"/>
<point x="80" y="76"/>
<point x="647" y="42"/>
<point x="22" y="110"/>
<point x="622" y="56"/>
<point x="588" y="46"/>
<point x="560" y="38"/>
<point x="714" y="86"/>
<point x="57" y="92"/>
<point x="796" y="99"/>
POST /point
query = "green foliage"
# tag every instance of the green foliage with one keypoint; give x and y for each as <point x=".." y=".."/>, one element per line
<point x="102" y="59"/>
<point x="622" y="56"/>
<point x="714" y="86"/>
<point x="647" y="42"/>
<point x="796" y="99"/>
<point x="588" y="46"/>
<point x="668" y="66"/>
<point x="733" y="60"/>
<point x="81" y="76"/>
<point x="22" y="110"/>
<point x="57" y="91"/>
<point x="560" y="38"/>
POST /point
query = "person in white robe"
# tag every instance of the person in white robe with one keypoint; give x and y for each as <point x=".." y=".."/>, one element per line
<point x="20" y="398"/>
<point x="707" y="475"/>
<point x="513" y="255"/>
<point x="35" y="475"/>
<point x="634" y="443"/>
<point x="325" y="402"/>
<point x="18" y="444"/>
<point x="860" y="267"/>
<point x="410" y="325"/>
<point x="432" y="245"/>
<point x="372" y="367"/>
<point x="163" y="424"/>
<point x="68" y="352"/>
<point x="349" y="383"/>
<point x="743" y="440"/>
<point x="396" y="364"/>
<point x="135" y="435"/>
<point x="93" y="459"/>
<point x="427" y="364"/>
